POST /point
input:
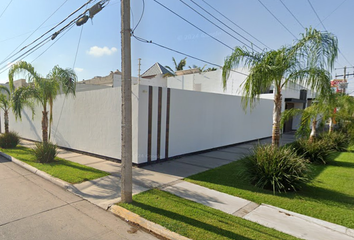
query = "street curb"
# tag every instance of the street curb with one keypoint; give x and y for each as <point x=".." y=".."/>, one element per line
<point x="153" y="227"/>
<point x="40" y="173"/>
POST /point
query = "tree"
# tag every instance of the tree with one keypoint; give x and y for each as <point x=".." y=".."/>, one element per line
<point x="41" y="90"/>
<point x="5" y="105"/>
<point x="305" y="63"/>
<point x="333" y="106"/>
<point x="179" y="66"/>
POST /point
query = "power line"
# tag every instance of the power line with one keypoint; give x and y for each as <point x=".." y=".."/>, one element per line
<point x="193" y="24"/>
<point x="33" y="32"/>
<point x="340" y="52"/>
<point x="141" y="17"/>
<point x="5" y="8"/>
<point x="53" y="36"/>
<point x="292" y="14"/>
<point x="219" y="26"/>
<point x="184" y="54"/>
<point x="331" y="12"/>
<point x="276" y="18"/>
<point x="233" y="23"/>
<point x="317" y="15"/>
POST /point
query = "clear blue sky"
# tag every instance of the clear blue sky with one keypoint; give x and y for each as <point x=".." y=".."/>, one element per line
<point x="99" y="48"/>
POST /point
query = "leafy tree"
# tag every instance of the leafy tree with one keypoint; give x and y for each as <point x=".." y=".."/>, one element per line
<point x="42" y="90"/>
<point x="304" y="63"/>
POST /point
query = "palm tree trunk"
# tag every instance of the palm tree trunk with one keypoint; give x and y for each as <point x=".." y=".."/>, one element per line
<point x="276" y="120"/>
<point x="330" y="125"/>
<point x="45" y="125"/>
<point x="6" y="119"/>
<point x="313" y="131"/>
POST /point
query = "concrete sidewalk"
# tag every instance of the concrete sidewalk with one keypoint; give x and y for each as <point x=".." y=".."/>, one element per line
<point x="168" y="176"/>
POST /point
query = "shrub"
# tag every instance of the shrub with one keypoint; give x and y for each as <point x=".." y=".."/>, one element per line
<point x="277" y="169"/>
<point x="337" y="141"/>
<point x="45" y="152"/>
<point x="9" y="140"/>
<point x="315" y="151"/>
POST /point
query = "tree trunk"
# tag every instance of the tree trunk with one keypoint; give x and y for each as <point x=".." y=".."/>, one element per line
<point x="6" y="119"/>
<point x="45" y="126"/>
<point x="330" y="125"/>
<point x="276" y="120"/>
<point x="313" y="131"/>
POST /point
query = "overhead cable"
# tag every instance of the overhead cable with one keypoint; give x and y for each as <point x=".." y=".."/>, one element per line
<point x="222" y="28"/>
<point x="193" y="24"/>
<point x="277" y="19"/>
<point x="234" y="23"/>
<point x="179" y="52"/>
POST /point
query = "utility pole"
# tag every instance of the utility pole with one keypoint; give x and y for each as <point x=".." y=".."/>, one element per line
<point x="345" y="75"/>
<point x="126" y="169"/>
<point x="139" y="70"/>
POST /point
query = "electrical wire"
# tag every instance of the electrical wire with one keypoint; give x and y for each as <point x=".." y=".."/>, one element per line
<point x="317" y="15"/>
<point x="235" y="24"/>
<point x="277" y="19"/>
<point x="220" y="27"/>
<point x="141" y="17"/>
<point x="331" y="12"/>
<point x="89" y="1"/>
<point x="193" y="24"/>
<point x="292" y="14"/>
<point x="5" y="8"/>
<point x="340" y="52"/>
<point x="9" y="56"/>
<point x="184" y="54"/>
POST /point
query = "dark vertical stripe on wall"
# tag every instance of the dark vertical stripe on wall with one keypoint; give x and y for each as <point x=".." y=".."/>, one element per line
<point x="149" y="123"/>
<point x="159" y="110"/>
<point x="167" y="122"/>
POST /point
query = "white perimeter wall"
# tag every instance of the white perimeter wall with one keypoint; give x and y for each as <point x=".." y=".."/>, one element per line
<point x="90" y="122"/>
<point x="200" y="121"/>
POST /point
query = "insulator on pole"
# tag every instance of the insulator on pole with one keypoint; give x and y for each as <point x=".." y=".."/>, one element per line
<point x="82" y="20"/>
<point x="95" y="9"/>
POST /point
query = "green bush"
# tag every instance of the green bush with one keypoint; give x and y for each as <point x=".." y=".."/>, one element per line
<point x="315" y="151"/>
<point x="9" y="140"/>
<point x="337" y="141"/>
<point x="45" y="152"/>
<point x="277" y="169"/>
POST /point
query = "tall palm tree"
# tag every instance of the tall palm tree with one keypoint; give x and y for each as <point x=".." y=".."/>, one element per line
<point x="305" y="62"/>
<point x="42" y="90"/>
<point x="5" y="105"/>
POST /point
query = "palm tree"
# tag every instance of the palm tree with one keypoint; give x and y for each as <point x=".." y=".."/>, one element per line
<point x="179" y="66"/>
<point x="42" y="90"/>
<point x="304" y="63"/>
<point x="5" y="105"/>
<point x="322" y="109"/>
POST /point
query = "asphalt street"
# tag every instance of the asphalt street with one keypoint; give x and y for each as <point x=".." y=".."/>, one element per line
<point x="34" y="208"/>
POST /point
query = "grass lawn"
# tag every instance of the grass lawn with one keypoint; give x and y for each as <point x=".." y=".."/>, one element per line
<point x="330" y="195"/>
<point x="195" y="220"/>
<point x="65" y="170"/>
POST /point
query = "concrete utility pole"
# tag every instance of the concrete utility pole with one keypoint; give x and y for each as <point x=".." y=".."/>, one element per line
<point x="139" y="69"/>
<point x="126" y="171"/>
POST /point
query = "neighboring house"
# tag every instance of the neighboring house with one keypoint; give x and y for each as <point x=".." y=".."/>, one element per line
<point x="114" y="79"/>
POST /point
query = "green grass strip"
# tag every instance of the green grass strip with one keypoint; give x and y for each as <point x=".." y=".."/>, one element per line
<point x="196" y="221"/>
<point x="329" y="196"/>
<point x="70" y="172"/>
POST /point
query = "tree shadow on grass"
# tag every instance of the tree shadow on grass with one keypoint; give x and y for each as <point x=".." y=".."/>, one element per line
<point x="194" y="223"/>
